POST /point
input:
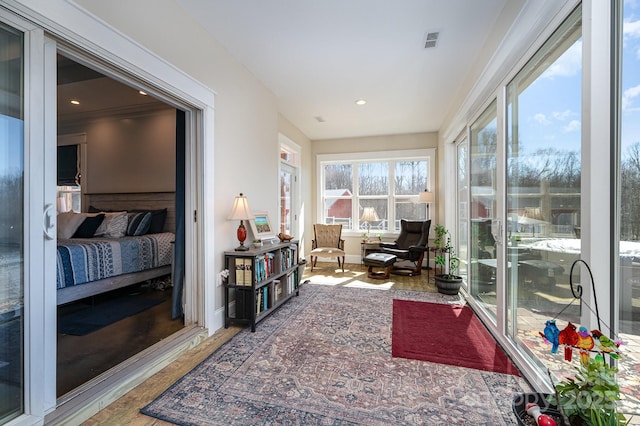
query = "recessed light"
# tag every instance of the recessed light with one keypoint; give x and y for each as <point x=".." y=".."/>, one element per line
<point x="142" y="93"/>
<point x="74" y="102"/>
<point x="360" y="102"/>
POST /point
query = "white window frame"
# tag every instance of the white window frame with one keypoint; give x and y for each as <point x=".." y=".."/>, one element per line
<point x="428" y="155"/>
<point x="292" y="164"/>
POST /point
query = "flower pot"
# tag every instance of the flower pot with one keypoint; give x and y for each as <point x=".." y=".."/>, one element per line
<point x="448" y="284"/>
<point x="520" y="402"/>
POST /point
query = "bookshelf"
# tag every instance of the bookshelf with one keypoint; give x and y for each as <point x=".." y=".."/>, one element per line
<point x="260" y="280"/>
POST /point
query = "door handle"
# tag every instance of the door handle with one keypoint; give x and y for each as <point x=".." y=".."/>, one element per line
<point x="49" y="222"/>
<point x="496" y="230"/>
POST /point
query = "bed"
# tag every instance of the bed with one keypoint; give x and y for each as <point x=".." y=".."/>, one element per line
<point x="105" y="260"/>
<point x="86" y="267"/>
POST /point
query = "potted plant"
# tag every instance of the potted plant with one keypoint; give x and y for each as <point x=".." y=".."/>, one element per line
<point x="587" y="399"/>
<point x="447" y="281"/>
<point x="590" y="397"/>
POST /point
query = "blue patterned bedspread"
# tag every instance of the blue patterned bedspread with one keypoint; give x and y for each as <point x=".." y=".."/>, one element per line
<point x="81" y="260"/>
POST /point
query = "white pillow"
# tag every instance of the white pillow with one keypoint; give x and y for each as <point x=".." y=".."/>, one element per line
<point x="114" y="225"/>
<point x="68" y="223"/>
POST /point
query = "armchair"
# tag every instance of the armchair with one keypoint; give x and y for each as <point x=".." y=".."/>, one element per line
<point x="411" y="245"/>
<point x="328" y="242"/>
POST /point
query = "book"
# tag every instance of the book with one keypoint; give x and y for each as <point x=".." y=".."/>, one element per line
<point x="243" y="271"/>
<point x="277" y="288"/>
<point x="239" y="269"/>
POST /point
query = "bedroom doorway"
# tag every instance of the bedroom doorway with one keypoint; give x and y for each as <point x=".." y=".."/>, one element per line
<point x="126" y="171"/>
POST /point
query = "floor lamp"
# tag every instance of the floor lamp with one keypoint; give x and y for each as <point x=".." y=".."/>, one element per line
<point x="427" y="197"/>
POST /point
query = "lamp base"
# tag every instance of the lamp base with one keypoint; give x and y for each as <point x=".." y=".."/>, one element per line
<point x="241" y="247"/>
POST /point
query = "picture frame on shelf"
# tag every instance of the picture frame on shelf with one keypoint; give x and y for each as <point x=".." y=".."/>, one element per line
<point x="261" y="226"/>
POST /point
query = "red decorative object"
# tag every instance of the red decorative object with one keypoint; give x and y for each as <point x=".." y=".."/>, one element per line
<point x="241" y="211"/>
<point x="242" y="233"/>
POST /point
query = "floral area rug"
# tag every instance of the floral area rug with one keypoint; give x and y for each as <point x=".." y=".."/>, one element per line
<point x="325" y="358"/>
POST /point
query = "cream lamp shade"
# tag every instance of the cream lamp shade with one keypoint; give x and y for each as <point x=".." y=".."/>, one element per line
<point x="369" y="214"/>
<point x="241" y="211"/>
<point x="61" y="203"/>
<point x="427" y="197"/>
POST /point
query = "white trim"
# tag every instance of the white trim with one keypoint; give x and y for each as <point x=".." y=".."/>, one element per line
<point x="75" y="25"/>
<point x="91" y="39"/>
<point x="377" y="155"/>
<point x="595" y="204"/>
<point x="36" y="200"/>
<point x="72" y="138"/>
<point x="50" y="193"/>
<point x="297" y="226"/>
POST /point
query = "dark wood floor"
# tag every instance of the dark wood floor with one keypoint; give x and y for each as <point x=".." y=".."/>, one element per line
<point x="82" y="358"/>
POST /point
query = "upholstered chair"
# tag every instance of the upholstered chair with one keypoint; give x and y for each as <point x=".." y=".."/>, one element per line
<point x="328" y="242"/>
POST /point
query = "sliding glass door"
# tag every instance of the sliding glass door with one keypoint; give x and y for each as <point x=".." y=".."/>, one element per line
<point x="543" y="188"/>
<point x="628" y="285"/>
<point x="12" y="237"/>
<point x="483" y="209"/>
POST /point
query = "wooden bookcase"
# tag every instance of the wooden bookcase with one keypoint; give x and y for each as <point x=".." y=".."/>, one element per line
<point x="260" y="280"/>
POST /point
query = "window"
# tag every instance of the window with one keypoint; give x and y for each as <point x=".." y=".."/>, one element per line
<point x="71" y="153"/>
<point x="388" y="182"/>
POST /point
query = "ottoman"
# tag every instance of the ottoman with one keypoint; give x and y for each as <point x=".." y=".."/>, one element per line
<point x="379" y="260"/>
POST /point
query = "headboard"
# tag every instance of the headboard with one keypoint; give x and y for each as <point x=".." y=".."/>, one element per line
<point x="136" y="201"/>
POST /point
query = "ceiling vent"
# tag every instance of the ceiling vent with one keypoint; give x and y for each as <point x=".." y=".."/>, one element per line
<point x="431" y="40"/>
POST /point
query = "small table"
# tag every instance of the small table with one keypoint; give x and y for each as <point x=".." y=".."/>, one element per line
<point x="367" y="247"/>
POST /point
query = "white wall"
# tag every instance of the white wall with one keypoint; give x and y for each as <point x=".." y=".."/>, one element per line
<point x="132" y="153"/>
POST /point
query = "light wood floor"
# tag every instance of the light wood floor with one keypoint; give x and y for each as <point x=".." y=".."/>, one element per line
<point x="125" y="411"/>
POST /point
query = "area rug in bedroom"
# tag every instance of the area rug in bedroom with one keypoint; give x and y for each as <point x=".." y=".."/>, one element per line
<point x="88" y="319"/>
<point x="450" y="334"/>
<point x="325" y="358"/>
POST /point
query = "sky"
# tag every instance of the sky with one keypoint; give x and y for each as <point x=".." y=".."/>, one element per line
<point x="11" y="152"/>
<point x="549" y="110"/>
<point x="631" y="74"/>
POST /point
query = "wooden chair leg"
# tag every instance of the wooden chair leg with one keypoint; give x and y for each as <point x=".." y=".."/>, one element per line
<point x="342" y="263"/>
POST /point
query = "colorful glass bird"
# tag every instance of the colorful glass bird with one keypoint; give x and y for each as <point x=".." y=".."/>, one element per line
<point x="585" y="341"/>
<point x="568" y="335"/>
<point x="605" y="344"/>
<point x="551" y="332"/>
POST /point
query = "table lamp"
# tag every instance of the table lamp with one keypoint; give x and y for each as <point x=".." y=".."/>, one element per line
<point x="241" y="211"/>
<point x="427" y="197"/>
<point x="369" y="215"/>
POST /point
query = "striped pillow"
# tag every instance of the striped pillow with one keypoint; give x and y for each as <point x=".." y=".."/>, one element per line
<point x="114" y="225"/>
<point x="139" y="223"/>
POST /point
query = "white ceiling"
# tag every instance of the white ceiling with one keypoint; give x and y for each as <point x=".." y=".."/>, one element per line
<point x="319" y="56"/>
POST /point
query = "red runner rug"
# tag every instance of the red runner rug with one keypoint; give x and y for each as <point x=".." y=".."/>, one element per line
<point x="447" y="334"/>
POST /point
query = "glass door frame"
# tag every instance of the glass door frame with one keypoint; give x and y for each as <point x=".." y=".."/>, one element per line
<point x="39" y="220"/>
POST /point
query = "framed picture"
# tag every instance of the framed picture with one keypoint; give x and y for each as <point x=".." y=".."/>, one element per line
<point x="261" y="226"/>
